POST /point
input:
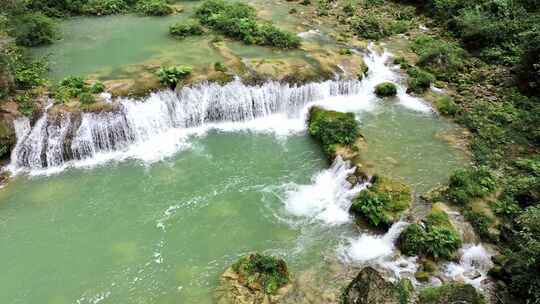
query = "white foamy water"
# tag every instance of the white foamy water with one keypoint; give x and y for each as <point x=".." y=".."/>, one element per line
<point x="160" y="125"/>
<point x="327" y="199"/>
<point x="473" y="265"/>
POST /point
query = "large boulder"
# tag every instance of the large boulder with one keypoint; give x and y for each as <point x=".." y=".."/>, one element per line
<point x="369" y="287"/>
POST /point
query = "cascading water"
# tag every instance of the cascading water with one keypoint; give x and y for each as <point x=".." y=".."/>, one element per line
<point x="162" y="121"/>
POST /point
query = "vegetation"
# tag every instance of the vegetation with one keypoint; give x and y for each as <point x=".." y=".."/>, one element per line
<point x="446" y="106"/>
<point x="33" y="29"/>
<point x="419" y="80"/>
<point x="451" y="293"/>
<point x="262" y="272"/>
<point x="466" y="185"/>
<point x="153" y="8"/>
<point x="184" y="29"/>
<point x="332" y="128"/>
<point x="105" y="7"/>
<point x="76" y="87"/>
<point x="238" y="21"/>
<point x="386" y="89"/>
<point x="382" y="203"/>
<point x="437" y="238"/>
<point x="170" y="76"/>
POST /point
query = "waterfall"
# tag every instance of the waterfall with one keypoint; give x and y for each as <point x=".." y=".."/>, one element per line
<point x="156" y="121"/>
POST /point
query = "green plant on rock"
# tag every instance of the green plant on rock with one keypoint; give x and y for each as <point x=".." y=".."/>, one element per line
<point x="419" y="80"/>
<point x="87" y="98"/>
<point x="26" y="105"/>
<point x="437" y="238"/>
<point x="386" y="89"/>
<point x="185" y="29"/>
<point x="451" y="293"/>
<point x="332" y="128"/>
<point x="220" y="67"/>
<point x="105" y="7"/>
<point x="153" y="8"/>
<point x="441" y="58"/>
<point x="371" y="26"/>
<point x="170" y="76"/>
<point x="382" y="203"/>
<point x="262" y="272"/>
<point x="97" y="87"/>
<point x="446" y="106"/>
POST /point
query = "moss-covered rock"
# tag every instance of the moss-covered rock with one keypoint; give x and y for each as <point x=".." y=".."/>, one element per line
<point x="451" y="293"/>
<point x="255" y="278"/>
<point x="382" y="203"/>
<point x="370" y="287"/>
<point x="7" y="136"/>
<point x="386" y="89"/>
<point x="436" y="237"/>
<point x="332" y="129"/>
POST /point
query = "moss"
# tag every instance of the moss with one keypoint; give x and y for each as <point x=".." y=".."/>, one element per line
<point x="437" y="238"/>
<point x="386" y="89"/>
<point x="332" y="128"/>
<point x="422" y="276"/>
<point x="450" y="293"/>
<point x="382" y="203"/>
<point x="262" y="272"/>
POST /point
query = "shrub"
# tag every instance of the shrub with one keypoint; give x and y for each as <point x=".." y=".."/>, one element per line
<point x="437" y="239"/>
<point x="419" y="80"/>
<point x="442" y="58"/>
<point x="220" y="67"/>
<point x="170" y="76"/>
<point x="97" y="87"/>
<point x="184" y="29"/>
<point x="26" y="106"/>
<point x="33" y="29"/>
<point x="29" y="74"/>
<point x="446" y="106"/>
<point x="105" y="7"/>
<point x="332" y="128"/>
<point x="87" y="98"/>
<point x="466" y="185"/>
<point x="265" y="272"/>
<point x="370" y="27"/>
<point x="386" y="89"/>
<point x="382" y="203"/>
<point x="238" y="21"/>
<point x="153" y="8"/>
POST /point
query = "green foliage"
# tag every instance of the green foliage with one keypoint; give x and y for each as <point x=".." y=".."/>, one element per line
<point x="87" y="98"/>
<point x="419" y="80"/>
<point x="370" y="27"/>
<point x="437" y="239"/>
<point x="153" y="8"/>
<point x="267" y="272"/>
<point x="170" y="76"/>
<point x="450" y="293"/>
<point x="442" y="58"/>
<point x="97" y="87"/>
<point x="185" y="29"/>
<point x="220" y="67"/>
<point x="332" y="128"/>
<point x="382" y="203"/>
<point x="446" y="106"/>
<point x="466" y="185"/>
<point x="386" y="89"/>
<point x="33" y="29"/>
<point x="105" y="7"/>
<point x="238" y="20"/>
<point x="26" y="103"/>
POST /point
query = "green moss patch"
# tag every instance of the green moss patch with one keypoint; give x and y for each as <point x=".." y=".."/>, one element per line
<point x="382" y="203"/>
<point x="261" y="272"/>
<point x="386" y="89"/>
<point x="451" y="293"/>
<point x="332" y="128"/>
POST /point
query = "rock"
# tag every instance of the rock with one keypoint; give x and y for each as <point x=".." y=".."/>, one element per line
<point x="422" y="276"/>
<point x="451" y="293"/>
<point x="369" y="287"/>
<point x="7" y="135"/>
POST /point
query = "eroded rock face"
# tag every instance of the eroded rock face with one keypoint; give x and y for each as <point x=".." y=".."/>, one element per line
<point x="233" y="290"/>
<point x="369" y="287"/>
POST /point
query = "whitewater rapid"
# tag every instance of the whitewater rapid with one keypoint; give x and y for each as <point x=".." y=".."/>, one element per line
<point x="161" y="124"/>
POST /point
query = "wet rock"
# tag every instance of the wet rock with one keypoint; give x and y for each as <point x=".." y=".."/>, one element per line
<point x="369" y="287"/>
<point x="7" y="135"/>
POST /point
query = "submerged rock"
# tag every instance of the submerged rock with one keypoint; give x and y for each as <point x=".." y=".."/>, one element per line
<point x="369" y="287"/>
<point x="254" y="279"/>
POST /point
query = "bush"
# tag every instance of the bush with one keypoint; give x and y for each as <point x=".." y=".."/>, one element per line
<point x="437" y="239"/>
<point x="370" y="27"/>
<point x="87" y="98"/>
<point x="466" y="185"/>
<point x="33" y="29"/>
<point x="238" y="21"/>
<point x="153" y="8"/>
<point x="105" y="7"/>
<point x="97" y="87"/>
<point x="170" y="76"/>
<point x="332" y="128"/>
<point x="220" y="67"/>
<point x="386" y="89"/>
<point x="262" y="272"/>
<point x="443" y="59"/>
<point x="382" y="203"/>
<point x="446" y="106"/>
<point x="29" y="73"/>
<point x="184" y="29"/>
<point x="419" y="80"/>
